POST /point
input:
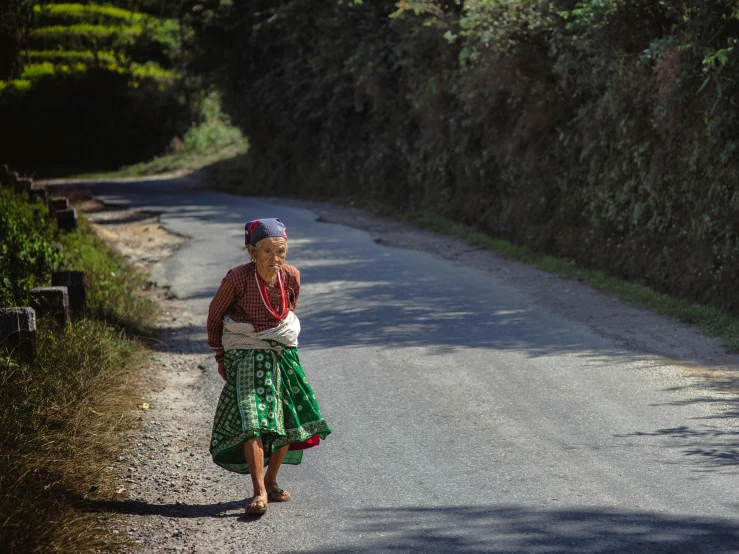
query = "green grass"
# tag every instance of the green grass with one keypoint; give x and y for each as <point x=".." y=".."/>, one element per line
<point x="114" y="286"/>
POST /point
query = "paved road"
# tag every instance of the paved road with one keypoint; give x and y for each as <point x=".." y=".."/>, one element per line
<point x="466" y="419"/>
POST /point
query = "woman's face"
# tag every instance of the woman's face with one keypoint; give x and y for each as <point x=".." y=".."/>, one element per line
<point x="269" y="255"/>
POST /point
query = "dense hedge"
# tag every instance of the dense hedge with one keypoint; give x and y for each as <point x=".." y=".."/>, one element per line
<point x="601" y="131"/>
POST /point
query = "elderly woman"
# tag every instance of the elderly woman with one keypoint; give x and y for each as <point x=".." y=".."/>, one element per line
<point x="267" y="413"/>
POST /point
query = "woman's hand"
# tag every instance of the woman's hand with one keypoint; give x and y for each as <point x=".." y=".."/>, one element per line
<point x="221" y="369"/>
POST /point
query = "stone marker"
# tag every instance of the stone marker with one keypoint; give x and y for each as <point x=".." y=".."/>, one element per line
<point x="66" y="220"/>
<point x="57" y="203"/>
<point x="75" y="283"/>
<point x="18" y="332"/>
<point x="53" y="301"/>
<point x="38" y="193"/>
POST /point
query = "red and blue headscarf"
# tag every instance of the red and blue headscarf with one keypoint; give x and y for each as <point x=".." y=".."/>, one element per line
<point x="262" y="229"/>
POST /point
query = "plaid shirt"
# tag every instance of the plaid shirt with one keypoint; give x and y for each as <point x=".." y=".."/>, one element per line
<point x="239" y="298"/>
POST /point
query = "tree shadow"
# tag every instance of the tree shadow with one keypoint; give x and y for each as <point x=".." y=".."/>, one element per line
<point x="710" y="448"/>
<point x="513" y="529"/>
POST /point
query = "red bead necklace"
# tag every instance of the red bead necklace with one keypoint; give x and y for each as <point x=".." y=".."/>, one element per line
<point x="265" y="297"/>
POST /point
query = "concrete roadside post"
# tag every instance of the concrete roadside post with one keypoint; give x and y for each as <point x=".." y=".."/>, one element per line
<point x="18" y="333"/>
<point x="66" y="220"/>
<point x="53" y="301"/>
<point x="57" y="203"/>
<point x="75" y="283"/>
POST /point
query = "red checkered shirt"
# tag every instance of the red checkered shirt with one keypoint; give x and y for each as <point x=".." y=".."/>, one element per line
<point x="239" y="298"/>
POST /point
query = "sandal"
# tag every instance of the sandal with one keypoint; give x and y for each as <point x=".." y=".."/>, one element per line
<point x="256" y="507"/>
<point x="278" y="495"/>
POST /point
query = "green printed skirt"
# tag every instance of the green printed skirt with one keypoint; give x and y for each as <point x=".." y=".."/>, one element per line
<point x="266" y="395"/>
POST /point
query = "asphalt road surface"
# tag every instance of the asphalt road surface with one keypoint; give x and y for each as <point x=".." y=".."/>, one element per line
<point x="466" y="418"/>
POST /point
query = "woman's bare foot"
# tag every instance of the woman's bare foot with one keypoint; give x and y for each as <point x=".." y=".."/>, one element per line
<point x="275" y="493"/>
<point x="258" y="505"/>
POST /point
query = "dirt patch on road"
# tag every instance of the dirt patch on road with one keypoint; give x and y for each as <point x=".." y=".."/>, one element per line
<point x="137" y="235"/>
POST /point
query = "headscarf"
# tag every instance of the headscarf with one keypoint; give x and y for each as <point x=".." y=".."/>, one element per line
<point x="263" y="228"/>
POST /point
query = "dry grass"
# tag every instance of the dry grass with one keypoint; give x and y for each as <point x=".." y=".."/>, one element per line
<point x="62" y="422"/>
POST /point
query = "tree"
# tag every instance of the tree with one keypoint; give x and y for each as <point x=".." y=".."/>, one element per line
<point x="17" y="19"/>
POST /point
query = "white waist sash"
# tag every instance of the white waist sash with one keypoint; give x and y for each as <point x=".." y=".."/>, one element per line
<point x="243" y="336"/>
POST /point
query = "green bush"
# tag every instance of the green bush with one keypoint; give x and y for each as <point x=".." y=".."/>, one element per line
<point x="28" y="255"/>
<point x="214" y="133"/>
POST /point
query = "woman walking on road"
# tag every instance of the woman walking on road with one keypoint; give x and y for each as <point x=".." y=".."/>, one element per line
<point x="267" y="413"/>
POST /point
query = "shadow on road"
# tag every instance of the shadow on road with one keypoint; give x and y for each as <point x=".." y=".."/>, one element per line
<point x="709" y="447"/>
<point x="467" y="530"/>
<point x="179" y="510"/>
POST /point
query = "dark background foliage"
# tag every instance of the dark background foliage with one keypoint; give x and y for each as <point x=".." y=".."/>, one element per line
<point x="90" y="119"/>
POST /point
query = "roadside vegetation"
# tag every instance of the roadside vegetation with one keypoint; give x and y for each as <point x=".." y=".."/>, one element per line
<point x="63" y="419"/>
